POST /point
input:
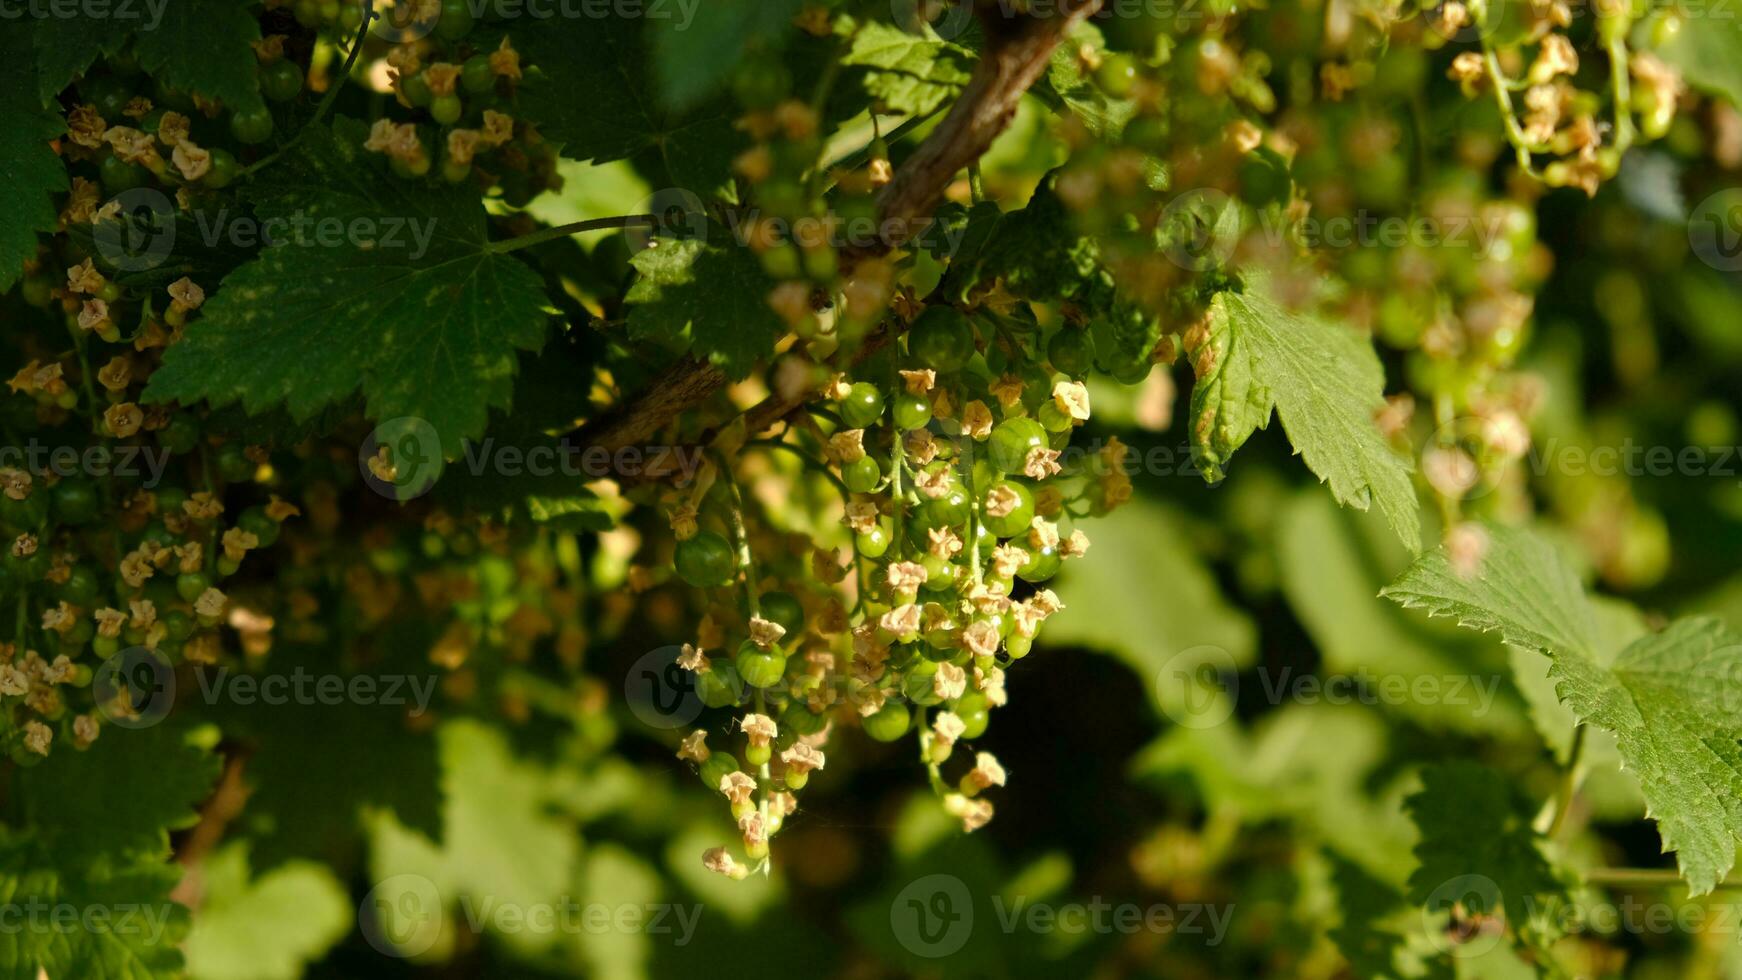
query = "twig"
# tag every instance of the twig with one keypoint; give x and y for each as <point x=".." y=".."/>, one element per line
<point x="1017" y="51"/>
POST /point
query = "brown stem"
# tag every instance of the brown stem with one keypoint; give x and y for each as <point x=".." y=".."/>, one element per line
<point x="1018" y="49"/>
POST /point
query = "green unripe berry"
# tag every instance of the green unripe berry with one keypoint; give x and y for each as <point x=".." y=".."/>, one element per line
<point x="873" y="543"/>
<point x="718" y="767"/>
<point x="1012" y="440"/>
<point x="1019" y="517"/>
<point x="783" y="608"/>
<point x="455" y="21"/>
<point x="281" y="81"/>
<point x="705" y="561"/>
<point x="191" y="585"/>
<point x="912" y="411"/>
<point x="1117" y="75"/>
<point x="760" y="668"/>
<point x="861" y="475"/>
<point x="446" y="109"/>
<point x="862" y="406"/>
<point x="941" y="339"/>
<point x="1069" y="352"/>
<point x="720" y="686"/>
<point x="252" y="125"/>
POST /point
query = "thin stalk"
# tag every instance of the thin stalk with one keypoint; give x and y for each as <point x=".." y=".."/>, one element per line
<point x="564" y="231"/>
<point x="1571" y="776"/>
<point x="332" y="92"/>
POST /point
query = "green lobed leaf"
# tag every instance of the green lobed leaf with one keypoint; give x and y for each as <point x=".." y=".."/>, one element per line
<point x="1475" y="826"/>
<point x="1668" y="698"/>
<point x="595" y="93"/>
<point x="710" y="300"/>
<point x="419" y="313"/>
<point x="1229" y="401"/>
<point x="695" y="57"/>
<point x="203" y="47"/>
<point x="127" y="926"/>
<point x="67" y="46"/>
<point x="33" y="171"/>
<point x="1371" y="948"/>
<point x="1327" y="383"/>
<point x="120" y="797"/>
<point x="909" y="73"/>
<point x="268" y="927"/>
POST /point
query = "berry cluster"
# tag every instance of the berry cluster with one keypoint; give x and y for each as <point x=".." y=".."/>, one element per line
<point x="959" y="508"/>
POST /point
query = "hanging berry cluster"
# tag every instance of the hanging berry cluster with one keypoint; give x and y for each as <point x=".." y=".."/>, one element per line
<point x="959" y="508"/>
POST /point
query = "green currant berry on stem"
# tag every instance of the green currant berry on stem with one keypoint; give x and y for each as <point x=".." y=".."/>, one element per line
<point x="1069" y="352"/>
<point x="27" y="514"/>
<point x="862" y="406"/>
<point x="783" y="608"/>
<point x="720" y="686"/>
<point x="873" y="543"/>
<point x="1020" y="514"/>
<point x="180" y="436"/>
<point x="718" y="767"/>
<point x="118" y="175"/>
<point x="105" y="646"/>
<point x="476" y="75"/>
<point x="1012" y="440"/>
<point x="758" y="755"/>
<point x="941" y="339"/>
<point x="705" y="561"/>
<point x="252" y="125"/>
<point x="455" y="21"/>
<point x="233" y="463"/>
<point x="1117" y="75"/>
<point x="281" y="81"/>
<point x="1041" y="565"/>
<point x="76" y="501"/>
<point x="81" y="587"/>
<point x="912" y="411"/>
<point x="447" y="109"/>
<point x="1018" y="646"/>
<point x="861" y="475"/>
<point x="800" y="720"/>
<point x="190" y="585"/>
<point x="255" y="522"/>
<point x="224" y="169"/>
<point x="1052" y="418"/>
<point x="760" y="668"/>
<point x="415" y="88"/>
